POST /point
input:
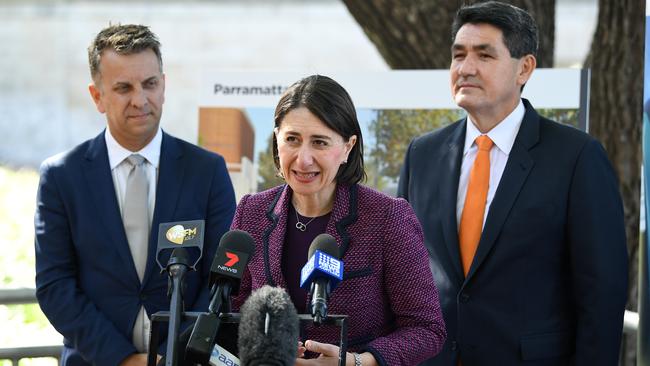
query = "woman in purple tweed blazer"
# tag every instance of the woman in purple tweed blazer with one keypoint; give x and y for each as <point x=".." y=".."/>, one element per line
<point x="387" y="290"/>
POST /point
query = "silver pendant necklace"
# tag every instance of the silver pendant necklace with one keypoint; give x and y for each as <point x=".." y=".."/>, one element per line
<point x="299" y="225"/>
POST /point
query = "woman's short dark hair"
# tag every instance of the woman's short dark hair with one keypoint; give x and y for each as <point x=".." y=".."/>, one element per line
<point x="327" y="100"/>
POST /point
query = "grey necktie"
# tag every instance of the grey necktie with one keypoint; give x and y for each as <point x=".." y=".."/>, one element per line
<point x="135" y="212"/>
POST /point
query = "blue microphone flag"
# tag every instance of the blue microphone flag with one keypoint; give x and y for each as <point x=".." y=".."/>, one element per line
<point x="321" y="265"/>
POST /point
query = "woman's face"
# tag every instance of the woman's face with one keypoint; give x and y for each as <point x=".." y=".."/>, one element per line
<point x="310" y="153"/>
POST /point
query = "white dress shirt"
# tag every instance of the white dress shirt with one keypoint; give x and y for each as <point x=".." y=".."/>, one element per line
<point x="120" y="172"/>
<point x="503" y="135"/>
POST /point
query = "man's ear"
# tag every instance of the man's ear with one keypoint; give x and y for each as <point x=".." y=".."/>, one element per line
<point x="526" y="67"/>
<point x="96" y="94"/>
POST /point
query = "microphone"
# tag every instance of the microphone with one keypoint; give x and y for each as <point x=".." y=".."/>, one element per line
<point x="322" y="272"/>
<point x="177" y="266"/>
<point x="184" y="239"/>
<point x="235" y="249"/>
<point x="268" y="330"/>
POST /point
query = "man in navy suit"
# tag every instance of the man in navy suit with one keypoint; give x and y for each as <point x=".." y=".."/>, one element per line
<point x="96" y="281"/>
<point x="545" y="280"/>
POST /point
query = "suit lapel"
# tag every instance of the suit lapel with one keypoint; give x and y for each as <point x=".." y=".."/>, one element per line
<point x="517" y="169"/>
<point x="171" y="170"/>
<point x="344" y="214"/>
<point x="273" y="237"/>
<point x="100" y="185"/>
<point x="449" y="176"/>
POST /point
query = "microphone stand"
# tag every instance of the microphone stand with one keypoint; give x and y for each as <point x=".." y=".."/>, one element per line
<point x="220" y="298"/>
<point x="177" y="268"/>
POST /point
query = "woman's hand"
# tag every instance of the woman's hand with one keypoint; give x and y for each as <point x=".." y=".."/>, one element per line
<point x="301" y="350"/>
<point x="329" y="355"/>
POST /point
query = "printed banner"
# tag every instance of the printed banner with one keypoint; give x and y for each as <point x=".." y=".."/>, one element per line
<point x="237" y="108"/>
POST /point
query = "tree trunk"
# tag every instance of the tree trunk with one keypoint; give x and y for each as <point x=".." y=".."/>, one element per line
<point x="616" y="62"/>
<point x="417" y="34"/>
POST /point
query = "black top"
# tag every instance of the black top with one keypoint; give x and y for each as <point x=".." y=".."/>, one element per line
<point x="295" y="251"/>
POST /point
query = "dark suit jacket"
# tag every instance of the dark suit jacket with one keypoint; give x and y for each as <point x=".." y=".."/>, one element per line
<point x="548" y="283"/>
<point x="387" y="289"/>
<point x="86" y="282"/>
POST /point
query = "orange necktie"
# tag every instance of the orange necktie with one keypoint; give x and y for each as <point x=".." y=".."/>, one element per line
<point x="471" y="220"/>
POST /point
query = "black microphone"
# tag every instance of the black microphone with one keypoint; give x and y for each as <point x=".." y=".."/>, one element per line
<point x="184" y="239"/>
<point x="320" y="275"/>
<point x="177" y="266"/>
<point x="268" y="330"/>
<point x="235" y="249"/>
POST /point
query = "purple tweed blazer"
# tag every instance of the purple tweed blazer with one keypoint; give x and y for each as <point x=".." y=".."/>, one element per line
<point x="387" y="290"/>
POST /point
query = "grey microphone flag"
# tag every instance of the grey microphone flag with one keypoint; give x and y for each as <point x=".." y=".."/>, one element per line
<point x="268" y="330"/>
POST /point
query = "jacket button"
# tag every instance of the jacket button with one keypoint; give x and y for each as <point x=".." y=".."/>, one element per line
<point x="454" y="346"/>
<point x="464" y="297"/>
<point x="143" y="297"/>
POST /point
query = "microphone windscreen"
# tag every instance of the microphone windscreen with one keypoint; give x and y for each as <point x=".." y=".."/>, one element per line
<point x="268" y="329"/>
<point x="238" y="240"/>
<point x="235" y="248"/>
<point x="326" y="244"/>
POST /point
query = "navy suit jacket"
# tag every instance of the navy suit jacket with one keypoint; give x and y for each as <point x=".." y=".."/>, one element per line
<point x="548" y="283"/>
<point x="86" y="283"/>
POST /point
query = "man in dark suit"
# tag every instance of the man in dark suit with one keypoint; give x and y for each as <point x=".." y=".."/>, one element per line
<point x="99" y="207"/>
<point x="521" y="215"/>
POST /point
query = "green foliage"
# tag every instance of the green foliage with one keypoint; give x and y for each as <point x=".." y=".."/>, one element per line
<point x="17" y="205"/>
<point x="394" y="129"/>
<point x="374" y="178"/>
<point x="23" y="325"/>
<point x="564" y="116"/>
<point x="30" y="314"/>
<point x="266" y="172"/>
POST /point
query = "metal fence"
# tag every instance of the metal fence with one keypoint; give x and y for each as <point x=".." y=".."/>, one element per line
<point x="15" y="354"/>
<point x="28" y="296"/>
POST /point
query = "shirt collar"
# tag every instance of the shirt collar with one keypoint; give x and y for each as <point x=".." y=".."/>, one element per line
<point x="117" y="153"/>
<point x="503" y="134"/>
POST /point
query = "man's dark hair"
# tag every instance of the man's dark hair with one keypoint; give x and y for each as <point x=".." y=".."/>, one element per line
<point x="123" y="39"/>
<point x="519" y="29"/>
<point x="327" y="100"/>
